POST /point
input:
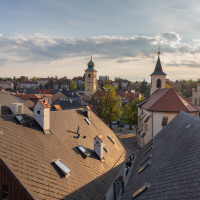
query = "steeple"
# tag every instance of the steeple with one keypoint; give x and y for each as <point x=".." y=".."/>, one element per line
<point x="158" y="69"/>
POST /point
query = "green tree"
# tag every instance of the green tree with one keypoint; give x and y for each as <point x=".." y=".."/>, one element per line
<point x="108" y="107"/>
<point x="40" y="86"/>
<point x="73" y="86"/>
<point x="102" y="84"/>
<point x="148" y="91"/>
<point x="130" y="113"/>
<point x="137" y="89"/>
<point x="34" y="78"/>
<point x="120" y="84"/>
<point x="143" y="86"/>
<point x="83" y="86"/>
<point x="166" y="85"/>
<point x="59" y="84"/>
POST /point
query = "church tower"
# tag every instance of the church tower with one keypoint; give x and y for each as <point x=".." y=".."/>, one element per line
<point x="158" y="77"/>
<point x="91" y="85"/>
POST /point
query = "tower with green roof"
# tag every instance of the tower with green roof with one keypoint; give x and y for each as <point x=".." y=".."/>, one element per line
<point x="91" y="85"/>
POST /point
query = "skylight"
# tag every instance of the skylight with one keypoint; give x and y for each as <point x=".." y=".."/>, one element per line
<point x="64" y="169"/>
<point x="144" y="167"/>
<point x="148" y="150"/>
<point x="83" y="150"/>
<point x="148" y="145"/>
<point x="106" y="149"/>
<point x="111" y="139"/>
<point x="149" y="142"/>
<point x="87" y="121"/>
<point x="145" y="160"/>
<point x="20" y="119"/>
<point x="142" y="189"/>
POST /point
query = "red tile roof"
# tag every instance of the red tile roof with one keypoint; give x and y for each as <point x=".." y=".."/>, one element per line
<point x="189" y="99"/>
<point x="44" y="103"/>
<point x="166" y="100"/>
<point x="132" y="96"/>
<point x="57" y="107"/>
<point x="26" y="97"/>
<point x="42" y="91"/>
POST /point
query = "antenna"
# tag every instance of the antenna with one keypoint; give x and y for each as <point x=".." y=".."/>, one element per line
<point x="159" y="50"/>
<point x="78" y="129"/>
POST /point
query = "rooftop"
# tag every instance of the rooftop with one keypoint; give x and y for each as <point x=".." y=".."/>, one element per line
<point x="173" y="172"/>
<point x="166" y="100"/>
<point x="29" y="155"/>
<point x="158" y="69"/>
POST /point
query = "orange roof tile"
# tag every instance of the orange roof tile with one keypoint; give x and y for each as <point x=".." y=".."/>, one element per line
<point x="26" y="97"/>
<point x="100" y="137"/>
<point x="44" y="103"/>
<point x="57" y="107"/>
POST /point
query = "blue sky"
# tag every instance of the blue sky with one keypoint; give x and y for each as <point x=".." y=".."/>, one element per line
<point x="47" y="37"/>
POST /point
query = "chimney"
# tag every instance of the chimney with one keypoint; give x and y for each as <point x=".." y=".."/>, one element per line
<point x="16" y="92"/>
<point x="42" y="114"/>
<point x="87" y="111"/>
<point x="98" y="146"/>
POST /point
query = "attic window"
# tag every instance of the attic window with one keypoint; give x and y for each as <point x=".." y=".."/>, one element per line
<point x="148" y="150"/>
<point x="165" y="120"/>
<point x="143" y="135"/>
<point x="142" y="189"/>
<point x="20" y="120"/>
<point x="145" y="160"/>
<point x="147" y="146"/>
<point x="87" y="121"/>
<point x="143" y="116"/>
<point x="111" y="139"/>
<point x="149" y="142"/>
<point x="83" y="150"/>
<point x="64" y="169"/>
<point x="147" y="119"/>
<point x="144" y="167"/>
<point x="106" y="149"/>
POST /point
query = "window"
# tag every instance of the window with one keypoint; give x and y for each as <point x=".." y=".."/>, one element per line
<point x="89" y="82"/>
<point x="106" y="149"/>
<point x="149" y="145"/>
<point x="89" y="75"/>
<point x="20" y="120"/>
<point x="149" y="142"/>
<point x="145" y="160"/>
<point x="4" y="192"/>
<point x="144" y="167"/>
<point x="64" y="169"/>
<point x="158" y="83"/>
<point x="195" y="101"/>
<point x="148" y="150"/>
<point x="111" y="139"/>
<point x="87" y="121"/>
<point x="83" y="150"/>
<point x="142" y="189"/>
<point x="164" y="121"/>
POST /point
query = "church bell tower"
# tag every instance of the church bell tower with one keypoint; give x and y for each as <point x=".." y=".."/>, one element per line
<point x="91" y="85"/>
<point x="158" y="77"/>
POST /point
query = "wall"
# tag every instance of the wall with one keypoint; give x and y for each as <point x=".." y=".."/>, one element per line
<point x="154" y="79"/>
<point x="90" y="83"/>
<point x="15" y="189"/>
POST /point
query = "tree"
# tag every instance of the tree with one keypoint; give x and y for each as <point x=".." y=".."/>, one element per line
<point x="108" y="107"/>
<point x="40" y="86"/>
<point x="137" y="89"/>
<point x="130" y="113"/>
<point x="59" y="84"/>
<point x="148" y="91"/>
<point x="120" y="84"/>
<point x="83" y="86"/>
<point x="34" y="78"/>
<point x="102" y="84"/>
<point x="166" y="85"/>
<point x="143" y="86"/>
<point x="72" y="86"/>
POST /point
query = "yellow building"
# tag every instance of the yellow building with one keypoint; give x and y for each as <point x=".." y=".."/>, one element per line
<point x="91" y="85"/>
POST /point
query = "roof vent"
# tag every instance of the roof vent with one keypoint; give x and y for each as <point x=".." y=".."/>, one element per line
<point x="111" y="139"/>
<point x="144" y="167"/>
<point x="63" y="168"/>
<point x="83" y="151"/>
<point x="87" y="121"/>
<point x="86" y="111"/>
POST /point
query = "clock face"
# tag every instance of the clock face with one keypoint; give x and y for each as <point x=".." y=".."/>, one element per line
<point x="89" y="82"/>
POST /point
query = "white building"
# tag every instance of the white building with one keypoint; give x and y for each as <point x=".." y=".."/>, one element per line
<point x="30" y="84"/>
<point x="124" y="83"/>
<point x="103" y="78"/>
<point x="7" y="85"/>
<point x="155" y="112"/>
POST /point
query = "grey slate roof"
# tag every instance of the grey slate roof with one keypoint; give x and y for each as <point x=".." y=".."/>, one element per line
<point x="69" y="93"/>
<point x="54" y="92"/>
<point x="67" y="105"/>
<point x="174" y="172"/>
<point x="26" y="90"/>
<point x="158" y="69"/>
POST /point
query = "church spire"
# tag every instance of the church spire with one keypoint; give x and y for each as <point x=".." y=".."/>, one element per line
<point x="158" y="69"/>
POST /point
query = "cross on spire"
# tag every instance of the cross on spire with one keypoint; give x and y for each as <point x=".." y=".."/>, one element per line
<point x="91" y="56"/>
<point x="159" y="50"/>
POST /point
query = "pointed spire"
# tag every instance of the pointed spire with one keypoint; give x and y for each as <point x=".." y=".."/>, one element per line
<point x="158" y="69"/>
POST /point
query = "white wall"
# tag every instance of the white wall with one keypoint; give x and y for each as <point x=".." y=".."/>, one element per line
<point x="154" y="79"/>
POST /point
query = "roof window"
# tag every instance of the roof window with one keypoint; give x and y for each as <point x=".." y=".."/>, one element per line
<point x="144" y="167"/>
<point x="87" y="121"/>
<point x="83" y="151"/>
<point x="142" y="189"/>
<point x="149" y="142"/>
<point x="111" y="139"/>
<point x="106" y="149"/>
<point x="145" y="160"/>
<point x="148" y="150"/>
<point x="64" y="169"/>
<point x="20" y="120"/>
<point x="146" y="147"/>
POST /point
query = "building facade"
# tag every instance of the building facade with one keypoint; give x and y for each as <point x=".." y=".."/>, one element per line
<point x="43" y="81"/>
<point x="91" y="85"/>
<point x="30" y="84"/>
<point x="7" y="85"/>
<point x="103" y="78"/>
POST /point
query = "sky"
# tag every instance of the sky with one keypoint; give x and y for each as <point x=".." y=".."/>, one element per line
<point x="47" y="38"/>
